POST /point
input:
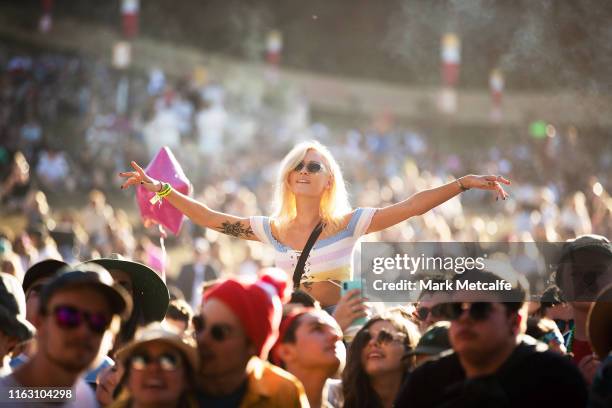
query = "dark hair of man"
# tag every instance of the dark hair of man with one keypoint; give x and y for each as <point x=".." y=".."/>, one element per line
<point x="551" y="296"/>
<point x="302" y="298"/>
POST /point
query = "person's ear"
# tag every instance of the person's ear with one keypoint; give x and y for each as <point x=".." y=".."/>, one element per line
<point x="286" y="352"/>
<point x="37" y="320"/>
<point x="12" y="343"/>
<point x="515" y="320"/>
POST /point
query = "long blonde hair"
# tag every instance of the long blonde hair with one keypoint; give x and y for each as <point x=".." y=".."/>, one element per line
<point x="334" y="202"/>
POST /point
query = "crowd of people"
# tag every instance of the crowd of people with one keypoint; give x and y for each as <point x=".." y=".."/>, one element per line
<point x="109" y="332"/>
<point x="86" y="303"/>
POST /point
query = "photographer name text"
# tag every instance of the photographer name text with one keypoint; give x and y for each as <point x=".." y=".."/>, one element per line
<point x="445" y="286"/>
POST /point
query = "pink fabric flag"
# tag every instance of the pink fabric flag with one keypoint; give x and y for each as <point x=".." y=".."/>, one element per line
<point x="165" y="168"/>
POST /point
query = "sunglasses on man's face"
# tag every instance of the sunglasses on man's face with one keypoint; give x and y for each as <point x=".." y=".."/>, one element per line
<point x="384" y="337"/>
<point x="311" y="167"/>
<point x="167" y="361"/>
<point x="476" y="311"/>
<point x="218" y="331"/>
<point x="70" y="317"/>
<point x="423" y="312"/>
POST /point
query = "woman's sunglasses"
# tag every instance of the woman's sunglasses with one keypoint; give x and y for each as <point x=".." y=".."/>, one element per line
<point x="383" y="337"/>
<point x="476" y="311"/>
<point x="167" y="361"/>
<point x="219" y="332"/>
<point x="70" y="317"/>
<point x="311" y="167"/>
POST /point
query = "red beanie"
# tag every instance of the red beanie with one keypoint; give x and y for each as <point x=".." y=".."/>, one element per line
<point x="258" y="305"/>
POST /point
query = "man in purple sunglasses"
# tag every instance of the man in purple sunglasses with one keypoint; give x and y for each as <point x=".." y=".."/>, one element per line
<point x="76" y="308"/>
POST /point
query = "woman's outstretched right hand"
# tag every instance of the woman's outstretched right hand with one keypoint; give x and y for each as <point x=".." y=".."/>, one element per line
<point x="138" y="176"/>
<point x="198" y="213"/>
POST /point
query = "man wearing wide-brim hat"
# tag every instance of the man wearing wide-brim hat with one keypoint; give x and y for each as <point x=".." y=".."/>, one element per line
<point x="14" y="328"/>
<point x="149" y="292"/>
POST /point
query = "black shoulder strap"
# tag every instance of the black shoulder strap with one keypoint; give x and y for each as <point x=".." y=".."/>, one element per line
<point x="299" y="268"/>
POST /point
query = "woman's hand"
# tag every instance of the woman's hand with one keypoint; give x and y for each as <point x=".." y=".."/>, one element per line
<point x="139" y="177"/>
<point x="486" y="183"/>
<point x="108" y="380"/>
<point x="350" y="307"/>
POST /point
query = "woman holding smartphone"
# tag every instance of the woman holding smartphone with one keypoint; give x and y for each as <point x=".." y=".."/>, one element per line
<point x="310" y="190"/>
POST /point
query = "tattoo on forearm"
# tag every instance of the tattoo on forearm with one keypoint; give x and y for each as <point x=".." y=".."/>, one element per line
<point x="236" y="229"/>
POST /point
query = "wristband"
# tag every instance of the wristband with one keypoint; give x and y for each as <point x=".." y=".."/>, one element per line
<point x="164" y="192"/>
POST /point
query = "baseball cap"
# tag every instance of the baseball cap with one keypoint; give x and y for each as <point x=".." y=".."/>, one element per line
<point x="434" y="341"/>
<point x="587" y="241"/>
<point x="43" y="269"/>
<point x="93" y="276"/>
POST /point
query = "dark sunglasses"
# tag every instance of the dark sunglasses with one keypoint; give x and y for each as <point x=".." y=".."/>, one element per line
<point x="167" y="361"/>
<point x="219" y="332"/>
<point x="423" y="312"/>
<point x="383" y="337"/>
<point x="476" y="311"/>
<point x="69" y="317"/>
<point x="311" y="167"/>
<point x="564" y="325"/>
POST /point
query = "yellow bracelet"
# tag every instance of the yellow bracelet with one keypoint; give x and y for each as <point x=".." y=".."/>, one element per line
<point x="164" y="192"/>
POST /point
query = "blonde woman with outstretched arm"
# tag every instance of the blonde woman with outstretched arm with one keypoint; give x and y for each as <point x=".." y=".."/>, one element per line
<point x="310" y="189"/>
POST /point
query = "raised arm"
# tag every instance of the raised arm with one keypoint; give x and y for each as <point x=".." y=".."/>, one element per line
<point x="425" y="200"/>
<point x="197" y="212"/>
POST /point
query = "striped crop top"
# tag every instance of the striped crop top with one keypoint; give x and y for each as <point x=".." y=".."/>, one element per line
<point x="329" y="258"/>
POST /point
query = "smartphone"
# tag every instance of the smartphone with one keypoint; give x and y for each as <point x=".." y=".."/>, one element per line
<point x="348" y="286"/>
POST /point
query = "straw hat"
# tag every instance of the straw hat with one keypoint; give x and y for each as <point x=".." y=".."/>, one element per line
<point x="158" y="332"/>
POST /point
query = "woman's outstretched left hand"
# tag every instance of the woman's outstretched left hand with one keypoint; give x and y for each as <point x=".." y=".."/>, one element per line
<point x="486" y="183"/>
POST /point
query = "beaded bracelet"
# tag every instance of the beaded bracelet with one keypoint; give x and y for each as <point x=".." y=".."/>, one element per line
<point x="461" y="186"/>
